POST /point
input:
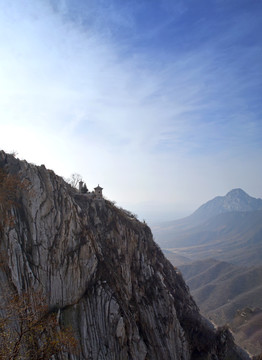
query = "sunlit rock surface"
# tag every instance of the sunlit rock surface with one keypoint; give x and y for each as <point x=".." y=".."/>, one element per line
<point x="102" y="269"/>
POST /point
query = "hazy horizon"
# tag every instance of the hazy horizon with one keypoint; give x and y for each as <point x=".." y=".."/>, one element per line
<point x="159" y="102"/>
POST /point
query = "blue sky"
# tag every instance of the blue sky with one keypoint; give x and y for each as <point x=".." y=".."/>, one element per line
<point x="157" y="101"/>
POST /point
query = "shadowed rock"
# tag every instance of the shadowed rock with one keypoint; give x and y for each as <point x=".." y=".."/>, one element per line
<point x="103" y="271"/>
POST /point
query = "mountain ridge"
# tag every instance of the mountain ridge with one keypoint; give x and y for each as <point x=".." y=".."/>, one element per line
<point x="101" y="271"/>
<point x="227" y="229"/>
<point x="235" y="200"/>
<point x="232" y="236"/>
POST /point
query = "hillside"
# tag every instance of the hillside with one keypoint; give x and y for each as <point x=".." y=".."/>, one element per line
<point x="234" y="200"/>
<point x="176" y="259"/>
<point x="222" y="291"/>
<point x="233" y="236"/>
<point x="219" y="251"/>
<point x="100" y="271"/>
<point x="247" y="329"/>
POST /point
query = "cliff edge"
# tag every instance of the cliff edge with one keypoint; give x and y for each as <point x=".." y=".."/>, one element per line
<point x="101" y="271"/>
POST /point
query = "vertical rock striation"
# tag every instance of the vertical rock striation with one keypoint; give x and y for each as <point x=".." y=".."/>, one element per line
<point x="102" y="270"/>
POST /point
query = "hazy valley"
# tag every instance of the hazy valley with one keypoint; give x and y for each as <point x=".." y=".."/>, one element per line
<point x="116" y="119"/>
<point x="218" y="249"/>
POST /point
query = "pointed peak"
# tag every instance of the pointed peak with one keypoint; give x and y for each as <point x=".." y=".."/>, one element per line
<point x="236" y="192"/>
<point x="235" y="200"/>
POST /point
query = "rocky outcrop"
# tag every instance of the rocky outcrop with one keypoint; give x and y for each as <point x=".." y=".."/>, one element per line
<point x="102" y="270"/>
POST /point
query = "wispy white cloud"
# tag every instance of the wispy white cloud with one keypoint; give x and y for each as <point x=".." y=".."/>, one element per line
<point x="69" y="90"/>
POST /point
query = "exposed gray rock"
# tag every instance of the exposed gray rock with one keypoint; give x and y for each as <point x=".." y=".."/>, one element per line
<point x="104" y="272"/>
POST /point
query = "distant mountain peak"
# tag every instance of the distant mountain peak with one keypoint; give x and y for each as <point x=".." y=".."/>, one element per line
<point x="235" y="200"/>
<point x="237" y="192"/>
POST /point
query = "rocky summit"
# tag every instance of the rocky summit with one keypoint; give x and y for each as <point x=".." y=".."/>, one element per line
<point x="235" y="200"/>
<point x="100" y="270"/>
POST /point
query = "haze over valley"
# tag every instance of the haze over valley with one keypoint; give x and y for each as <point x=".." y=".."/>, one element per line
<point x="130" y="162"/>
<point x="218" y="249"/>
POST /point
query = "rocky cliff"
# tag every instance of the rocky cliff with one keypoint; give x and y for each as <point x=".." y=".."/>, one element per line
<point x="101" y="270"/>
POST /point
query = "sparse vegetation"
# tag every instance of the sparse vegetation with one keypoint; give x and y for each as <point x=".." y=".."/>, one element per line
<point x="74" y="180"/>
<point x="14" y="153"/>
<point x="128" y="213"/>
<point x="29" y="332"/>
<point x="9" y="187"/>
<point x="27" y="329"/>
<point x="257" y="357"/>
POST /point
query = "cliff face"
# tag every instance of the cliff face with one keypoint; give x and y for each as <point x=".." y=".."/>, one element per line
<point x="103" y="271"/>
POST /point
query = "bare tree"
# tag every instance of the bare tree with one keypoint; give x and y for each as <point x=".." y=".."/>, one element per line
<point x="28" y="331"/>
<point x="74" y="180"/>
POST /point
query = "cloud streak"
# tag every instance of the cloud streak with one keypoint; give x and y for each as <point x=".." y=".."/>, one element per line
<point x="78" y="82"/>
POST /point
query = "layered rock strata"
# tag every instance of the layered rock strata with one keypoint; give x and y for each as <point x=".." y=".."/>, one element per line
<point x="102" y="272"/>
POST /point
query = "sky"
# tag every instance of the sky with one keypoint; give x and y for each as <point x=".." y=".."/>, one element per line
<point x="157" y="101"/>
